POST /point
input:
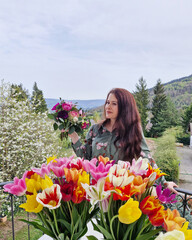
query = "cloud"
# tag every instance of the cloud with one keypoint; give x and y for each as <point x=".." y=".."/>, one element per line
<point x="84" y="48"/>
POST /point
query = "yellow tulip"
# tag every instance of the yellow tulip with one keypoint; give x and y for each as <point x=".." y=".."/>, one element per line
<point x="32" y="205"/>
<point x="187" y="232"/>
<point x="83" y="178"/>
<point x="49" y="159"/>
<point x="129" y="212"/>
<point x="46" y="183"/>
<point x="33" y="183"/>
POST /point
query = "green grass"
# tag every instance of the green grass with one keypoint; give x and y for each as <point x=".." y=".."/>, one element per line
<point x="23" y="234"/>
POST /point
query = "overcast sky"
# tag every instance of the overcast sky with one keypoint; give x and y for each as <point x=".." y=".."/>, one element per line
<point x="81" y="49"/>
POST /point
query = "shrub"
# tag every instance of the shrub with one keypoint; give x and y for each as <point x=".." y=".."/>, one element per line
<point x="166" y="156"/>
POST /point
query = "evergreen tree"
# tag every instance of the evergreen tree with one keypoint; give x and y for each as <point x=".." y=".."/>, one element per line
<point x="159" y="106"/>
<point x="38" y="101"/>
<point x="18" y="92"/>
<point x="142" y="99"/>
<point x="187" y="118"/>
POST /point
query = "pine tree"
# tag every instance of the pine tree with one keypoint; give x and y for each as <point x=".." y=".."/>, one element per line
<point x="18" y="92"/>
<point x="187" y="118"/>
<point x="159" y="106"/>
<point x="142" y="99"/>
<point x="38" y="101"/>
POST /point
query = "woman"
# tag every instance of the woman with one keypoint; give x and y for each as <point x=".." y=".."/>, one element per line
<point x="119" y="136"/>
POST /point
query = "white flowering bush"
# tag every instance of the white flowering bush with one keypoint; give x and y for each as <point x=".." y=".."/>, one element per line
<point x="26" y="138"/>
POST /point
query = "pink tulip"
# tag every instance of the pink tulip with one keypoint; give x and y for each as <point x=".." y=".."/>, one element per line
<point x="58" y="166"/>
<point x="17" y="188"/>
<point x="42" y="171"/>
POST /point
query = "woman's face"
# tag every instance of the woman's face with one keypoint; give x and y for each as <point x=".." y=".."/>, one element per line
<point x="111" y="107"/>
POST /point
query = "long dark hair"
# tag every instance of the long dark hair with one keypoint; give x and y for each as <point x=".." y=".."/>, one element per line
<point x="127" y="125"/>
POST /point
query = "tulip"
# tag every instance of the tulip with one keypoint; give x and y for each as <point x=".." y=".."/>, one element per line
<point x="78" y="194"/>
<point x="67" y="191"/>
<point x="100" y="171"/>
<point x="72" y="174"/>
<point x="49" y="159"/>
<point x="104" y="160"/>
<point x="42" y="171"/>
<point x="187" y="232"/>
<point x="173" y="220"/>
<point x="157" y="219"/>
<point x="156" y="170"/>
<point x="139" y="167"/>
<point x="18" y="187"/>
<point x="150" y="205"/>
<point x="140" y="184"/>
<point x="75" y="163"/>
<point x="96" y="193"/>
<point x="119" y="176"/>
<point x="129" y="212"/>
<point x="31" y="204"/>
<point x="165" y="196"/>
<point x="58" y="166"/>
<point x="173" y="235"/>
<point x="50" y="197"/>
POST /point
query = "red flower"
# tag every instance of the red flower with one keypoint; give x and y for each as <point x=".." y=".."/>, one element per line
<point x="150" y="205"/>
<point x="67" y="191"/>
<point x="157" y="219"/>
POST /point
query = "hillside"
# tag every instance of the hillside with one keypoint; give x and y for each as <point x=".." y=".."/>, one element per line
<point x="179" y="90"/>
<point x="85" y="104"/>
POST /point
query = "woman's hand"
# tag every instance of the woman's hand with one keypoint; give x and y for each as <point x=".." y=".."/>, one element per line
<point x="171" y="186"/>
<point x="74" y="137"/>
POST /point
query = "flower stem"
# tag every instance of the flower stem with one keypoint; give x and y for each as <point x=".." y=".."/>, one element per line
<point x="55" y="220"/>
<point x="111" y="226"/>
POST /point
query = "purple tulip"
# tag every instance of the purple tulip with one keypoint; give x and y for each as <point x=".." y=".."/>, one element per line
<point x="165" y="196"/>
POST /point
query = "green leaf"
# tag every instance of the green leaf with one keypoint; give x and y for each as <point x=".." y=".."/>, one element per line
<point x="91" y="237"/>
<point x="51" y="116"/>
<point x="66" y="224"/>
<point x="148" y="235"/>
<point x="55" y="126"/>
<point x="61" y="236"/>
<point x="40" y="227"/>
<point x="104" y="232"/>
<point x="61" y="126"/>
<point x="80" y="234"/>
<point x="71" y="130"/>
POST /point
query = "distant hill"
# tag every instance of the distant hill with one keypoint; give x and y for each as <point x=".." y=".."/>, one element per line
<point x="179" y="90"/>
<point x="84" y="104"/>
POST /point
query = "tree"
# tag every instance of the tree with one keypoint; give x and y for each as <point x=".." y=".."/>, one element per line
<point x="38" y="101"/>
<point x="187" y="118"/>
<point x="159" y="105"/>
<point x="142" y="99"/>
<point x="26" y="138"/>
<point x="18" y="92"/>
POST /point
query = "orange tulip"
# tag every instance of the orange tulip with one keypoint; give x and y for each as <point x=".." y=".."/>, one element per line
<point x="157" y="218"/>
<point x="173" y="220"/>
<point x="72" y="174"/>
<point x="156" y="170"/>
<point x="150" y="205"/>
<point x="104" y="160"/>
<point x="139" y="184"/>
<point x="78" y="194"/>
<point x="124" y="192"/>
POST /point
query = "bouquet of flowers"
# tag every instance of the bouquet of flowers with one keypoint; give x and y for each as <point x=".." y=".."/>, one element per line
<point x="68" y="118"/>
<point x="131" y="208"/>
<point x="67" y="193"/>
<point x="55" y="194"/>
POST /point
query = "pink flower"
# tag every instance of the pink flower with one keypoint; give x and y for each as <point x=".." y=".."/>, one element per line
<point x="75" y="163"/>
<point x="67" y="106"/>
<point x="165" y="196"/>
<point x="17" y="188"/>
<point x="84" y="125"/>
<point x="54" y="108"/>
<point x="88" y="165"/>
<point x="139" y="167"/>
<point x="100" y="171"/>
<point x="42" y="171"/>
<point x="74" y="114"/>
<point x="58" y="166"/>
<point x="80" y="112"/>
